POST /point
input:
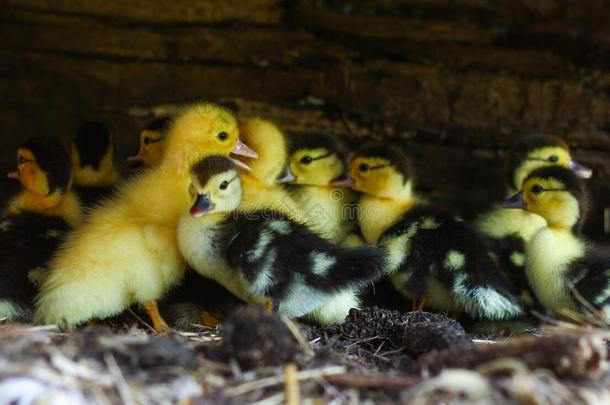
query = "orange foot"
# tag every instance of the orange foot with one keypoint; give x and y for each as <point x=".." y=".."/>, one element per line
<point x="152" y="310"/>
<point x="417" y="304"/>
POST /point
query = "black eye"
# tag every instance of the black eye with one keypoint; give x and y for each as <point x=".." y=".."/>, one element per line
<point x="537" y="189"/>
<point x="224" y="185"/>
<point x="222" y="136"/>
<point x="21" y="160"/>
<point x="363" y="167"/>
<point x="147" y="140"/>
<point x="306" y="160"/>
<point x="553" y="159"/>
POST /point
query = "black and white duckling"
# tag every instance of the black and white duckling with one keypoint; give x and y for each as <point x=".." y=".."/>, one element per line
<point x="509" y="230"/>
<point x="315" y="161"/>
<point x="559" y="262"/>
<point x="34" y="223"/>
<point x="434" y="258"/>
<point x="152" y="140"/>
<point x="95" y="175"/>
<point x="262" y="255"/>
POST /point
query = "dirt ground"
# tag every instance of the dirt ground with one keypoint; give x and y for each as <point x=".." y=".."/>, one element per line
<point x="378" y="356"/>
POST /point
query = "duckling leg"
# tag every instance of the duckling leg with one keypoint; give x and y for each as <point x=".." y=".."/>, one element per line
<point x="209" y="320"/>
<point x="152" y="310"/>
<point x="417" y="303"/>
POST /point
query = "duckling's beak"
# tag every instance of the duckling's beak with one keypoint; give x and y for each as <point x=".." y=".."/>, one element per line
<point x="202" y="205"/>
<point x="244" y="150"/>
<point x="13" y="175"/>
<point x="515" y="201"/>
<point x="344" y="180"/>
<point x="136" y="158"/>
<point x="286" y="177"/>
<point x="580" y="170"/>
<point x="240" y="164"/>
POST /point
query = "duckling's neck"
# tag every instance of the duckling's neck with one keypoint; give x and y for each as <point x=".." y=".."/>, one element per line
<point x="105" y="175"/>
<point x="377" y="214"/>
<point x="501" y="222"/>
<point x="326" y="207"/>
<point x="61" y="205"/>
<point x="548" y="257"/>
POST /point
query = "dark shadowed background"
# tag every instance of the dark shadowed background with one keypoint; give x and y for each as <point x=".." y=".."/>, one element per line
<point x="454" y="82"/>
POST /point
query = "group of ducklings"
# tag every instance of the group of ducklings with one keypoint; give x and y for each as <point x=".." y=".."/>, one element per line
<point x="289" y="223"/>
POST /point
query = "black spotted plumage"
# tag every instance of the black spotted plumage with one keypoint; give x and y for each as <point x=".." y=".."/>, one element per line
<point x="435" y="242"/>
<point x="27" y="241"/>
<point x="590" y="278"/>
<point x="293" y="249"/>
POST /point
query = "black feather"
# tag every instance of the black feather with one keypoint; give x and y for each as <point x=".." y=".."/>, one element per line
<point x="53" y="158"/>
<point x="27" y="242"/>
<point x="92" y="141"/>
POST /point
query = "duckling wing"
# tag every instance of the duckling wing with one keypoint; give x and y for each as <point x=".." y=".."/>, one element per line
<point x="27" y="242"/>
<point x="590" y="278"/>
<point x="430" y="244"/>
<point x="279" y="257"/>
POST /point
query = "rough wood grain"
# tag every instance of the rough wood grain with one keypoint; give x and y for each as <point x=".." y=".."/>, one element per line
<point x="452" y="82"/>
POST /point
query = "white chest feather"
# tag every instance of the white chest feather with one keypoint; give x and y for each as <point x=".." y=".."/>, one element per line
<point x="548" y="256"/>
<point x="198" y="243"/>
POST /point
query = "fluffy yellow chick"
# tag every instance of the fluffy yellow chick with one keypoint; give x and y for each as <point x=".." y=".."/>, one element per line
<point x="260" y="187"/>
<point x="126" y="251"/>
<point x="152" y="142"/>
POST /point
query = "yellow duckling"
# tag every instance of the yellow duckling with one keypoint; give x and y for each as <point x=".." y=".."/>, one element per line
<point x="126" y="251"/>
<point x="152" y="141"/>
<point x="316" y="160"/>
<point x="35" y="223"/>
<point x="434" y="258"/>
<point x="260" y="187"/>
<point x="93" y="162"/>
<point x="559" y="262"/>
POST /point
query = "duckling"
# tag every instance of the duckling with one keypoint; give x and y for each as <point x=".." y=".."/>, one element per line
<point x="509" y="230"/>
<point x="434" y="258"/>
<point x="264" y="255"/>
<point x="126" y="251"/>
<point x="152" y="142"/>
<point x="34" y="223"/>
<point x="259" y="184"/>
<point x="558" y="261"/>
<point x="315" y="161"/>
<point x="93" y="163"/>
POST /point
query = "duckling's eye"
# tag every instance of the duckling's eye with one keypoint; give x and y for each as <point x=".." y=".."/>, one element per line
<point x="306" y="160"/>
<point x="537" y="189"/>
<point x="222" y="136"/>
<point x="553" y="159"/>
<point x="224" y="185"/>
<point x="364" y="167"/>
<point x="21" y="160"/>
<point x="147" y="141"/>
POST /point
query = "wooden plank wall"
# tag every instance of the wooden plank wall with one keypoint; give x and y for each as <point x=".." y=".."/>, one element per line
<point x="452" y="82"/>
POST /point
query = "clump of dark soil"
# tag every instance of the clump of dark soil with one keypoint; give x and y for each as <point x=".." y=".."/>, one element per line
<point x="415" y="332"/>
<point x="256" y="338"/>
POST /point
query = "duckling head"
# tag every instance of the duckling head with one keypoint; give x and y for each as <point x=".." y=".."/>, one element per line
<point x="152" y="142"/>
<point x="93" y="155"/>
<point x="270" y="145"/>
<point x="215" y="186"/>
<point x="536" y="151"/>
<point x="382" y="171"/>
<point x="43" y="167"/>
<point x="202" y="130"/>
<point x="315" y="160"/>
<point x="556" y="194"/>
